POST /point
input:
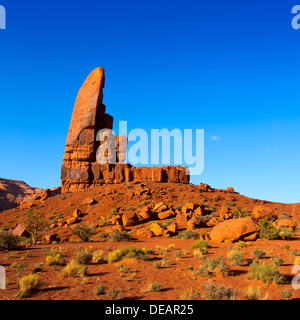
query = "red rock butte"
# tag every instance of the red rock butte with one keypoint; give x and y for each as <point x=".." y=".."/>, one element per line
<point x="80" y="168"/>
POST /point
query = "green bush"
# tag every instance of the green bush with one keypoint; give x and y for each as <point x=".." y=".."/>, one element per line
<point x="27" y="284"/>
<point x="155" y="287"/>
<point x="34" y="222"/>
<point x="128" y="252"/>
<point x="265" y="272"/>
<point x="219" y="292"/>
<point x="199" y="244"/>
<point x="236" y="257"/>
<point x="74" y="269"/>
<point x="277" y="261"/>
<point x="258" y="253"/>
<point x="114" y="294"/>
<point x="83" y="232"/>
<point x="188" y="234"/>
<point x="99" y="289"/>
<point x="267" y="229"/>
<point x="117" y="236"/>
<point x="83" y="257"/>
<point x="8" y="241"/>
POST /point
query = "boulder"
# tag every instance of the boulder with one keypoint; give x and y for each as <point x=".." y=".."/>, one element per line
<point x="172" y="228"/>
<point x="146" y="213"/>
<point x="89" y="201"/>
<point x="49" y="236"/>
<point x="20" y="231"/>
<point x="285" y="223"/>
<point x="234" y="229"/>
<point x="229" y="189"/>
<point x="46" y="193"/>
<point x="260" y="212"/>
<point x="117" y="219"/>
<point x="213" y="222"/>
<point x="77" y="213"/>
<point x="26" y="205"/>
<point x="130" y="219"/>
<point x="193" y="223"/>
<point x="157" y="229"/>
<point x="160" y="207"/>
<point x="71" y="220"/>
<point x="181" y="220"/>
<point x="165" y="214"/>
<point x="144" y="233"/>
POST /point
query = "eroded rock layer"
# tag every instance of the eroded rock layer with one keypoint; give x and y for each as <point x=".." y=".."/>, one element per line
<point x="80" y="168"/>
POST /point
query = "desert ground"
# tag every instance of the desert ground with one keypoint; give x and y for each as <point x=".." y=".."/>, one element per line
<point x="171" y="267"/>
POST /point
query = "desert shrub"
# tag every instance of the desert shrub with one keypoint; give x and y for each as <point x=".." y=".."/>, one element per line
<point x="8" y="241"/>
<point x="102" y="223"/>
<point x="286" y="294"/>
<point x="103" y="235"/>
<point x="277" y="261"/>
<point x="73" y="269"/>
<point x="114" y="294"/>
<point x="37" y="268"/>
<point x="34" y="222"/>
<point x="156" y="265"/>
<point x="113" y="211"/>
<point x="83" y="232"/>
<point x="27" y="284"/>
<point x="285" y="233"/>
<point x="128" y="252"/>
<point x="19" y="267"/>
<point x="265" y="272"/>
<point x="239" y="213"/>
<point x="54" y="257"/>
<point x="99" y="289"/>
<point x="199" y="244"/>
<point x="117" y="236"/>
<point x="219" y="292"/>
<point x="83" y="257"/>
<point x="166" y="262"/>
<point x="236" y="257"/>
<point x="258" y="253"/>
<point x="297" y="260"/>
<point x="188" y="234"/>
<point x="267" y="229"/>
<point x="99" y="257"/>
<point x="155" y="286"/>
<point x="253" y="293"/>
<point x="189" y="294"/>
<point x="241" y="244"/>
<point x="178" y="254"/>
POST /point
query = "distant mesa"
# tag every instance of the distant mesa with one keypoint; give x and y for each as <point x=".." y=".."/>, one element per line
<point x="13" y="192"/>
<point x="80" y="168"/>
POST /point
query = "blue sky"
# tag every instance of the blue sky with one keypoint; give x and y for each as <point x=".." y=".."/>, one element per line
<point x="228" y="67"/>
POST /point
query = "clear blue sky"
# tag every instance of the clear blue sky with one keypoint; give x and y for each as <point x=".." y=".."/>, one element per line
<point x="228" y="67"/>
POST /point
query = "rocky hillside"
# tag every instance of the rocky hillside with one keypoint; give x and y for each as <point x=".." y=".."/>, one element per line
<point x="13" y="192"/>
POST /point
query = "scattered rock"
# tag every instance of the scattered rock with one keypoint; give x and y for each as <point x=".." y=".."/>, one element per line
<point x="77" y="213"/>
<point x="144" y="233"/>
<point x="20" y="231"/>
<point x="89" y="201"/>
<point x="26" y="205"/>
<point x="157" y="229"/>
<point x="285" y="223"/>
<point x="165" y="214"/>
<point x="130" y="219"/>
<point x="260" y="212"/>
<point x="233" y="229"/>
